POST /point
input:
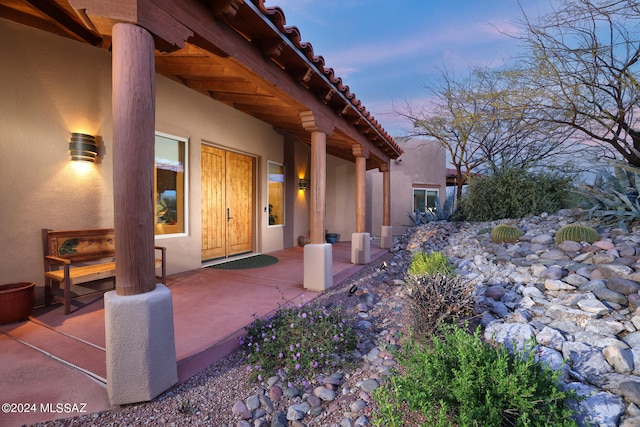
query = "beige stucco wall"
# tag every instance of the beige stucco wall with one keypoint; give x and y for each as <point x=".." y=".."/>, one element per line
<point x="423" y="163"/>
<point x="52" y="86"/>
<point x="48" y="92"/>
<point x="341" y="198"/>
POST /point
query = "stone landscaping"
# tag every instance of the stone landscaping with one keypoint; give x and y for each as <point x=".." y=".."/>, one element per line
<point x="577" y="301"/>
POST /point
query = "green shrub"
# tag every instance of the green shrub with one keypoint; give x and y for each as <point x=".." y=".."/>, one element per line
<point x="431" y="263"/>
<point x="577" y="233"/>
<point x="298" y="343"/>
<point x="462" y="381"/>
<point x="505" y="233"/>
<point x="516" y="193"/>
<point x="614" y="198"/>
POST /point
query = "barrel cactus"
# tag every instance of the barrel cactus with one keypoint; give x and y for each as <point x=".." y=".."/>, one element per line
<point x="577" y="233"/>
<point x="505" y="233"/>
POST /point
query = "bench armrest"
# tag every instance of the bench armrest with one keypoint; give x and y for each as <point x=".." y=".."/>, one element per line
<point x="54" y="260"/>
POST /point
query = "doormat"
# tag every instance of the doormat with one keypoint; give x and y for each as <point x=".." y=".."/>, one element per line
<point x="255" y="261"/>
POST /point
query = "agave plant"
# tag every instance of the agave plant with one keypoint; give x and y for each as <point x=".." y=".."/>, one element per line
<point x="614" y="198"/>
<point x="440" y="213"/>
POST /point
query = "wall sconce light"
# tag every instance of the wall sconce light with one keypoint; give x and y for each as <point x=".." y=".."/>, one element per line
<point x="83" y="147"/>
<point x="303" y="184"/>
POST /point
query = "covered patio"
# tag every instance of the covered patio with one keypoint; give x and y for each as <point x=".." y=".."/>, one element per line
<point x="53" y="358"/>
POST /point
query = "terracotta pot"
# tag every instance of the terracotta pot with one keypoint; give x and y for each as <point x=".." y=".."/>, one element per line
<point x="16" y="301"/>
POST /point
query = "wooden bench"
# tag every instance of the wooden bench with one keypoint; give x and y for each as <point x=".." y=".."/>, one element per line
<point x="73" y="257"/>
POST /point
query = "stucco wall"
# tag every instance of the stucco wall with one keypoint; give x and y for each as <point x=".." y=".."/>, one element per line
<point x="48" y="92"/>
<point x="341" y="198"/>
<point x="423" y="163"/>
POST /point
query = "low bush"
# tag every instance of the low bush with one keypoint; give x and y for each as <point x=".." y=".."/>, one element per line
<point x="429" y="263"/>
<point x="437" y="299"/>
<point x="297" y="343"/>
<point x="515" y="193"/>
<point x="461" y="381"/>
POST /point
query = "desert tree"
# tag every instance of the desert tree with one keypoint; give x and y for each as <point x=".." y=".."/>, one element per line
<point x="580" y="69"/>
<point x="482" y="124"/>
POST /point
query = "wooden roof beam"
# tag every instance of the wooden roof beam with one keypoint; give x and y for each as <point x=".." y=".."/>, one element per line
<point x="67" y="23"/>
<point x="227" y="9"/>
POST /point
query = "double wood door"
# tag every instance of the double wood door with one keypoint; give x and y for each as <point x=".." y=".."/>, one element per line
<point x="227" y="203"/>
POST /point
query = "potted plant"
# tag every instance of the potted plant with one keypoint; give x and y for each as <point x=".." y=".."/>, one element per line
<point x="16" y="301"/>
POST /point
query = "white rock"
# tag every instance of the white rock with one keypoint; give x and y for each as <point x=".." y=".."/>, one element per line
<point x="557" y="285"/>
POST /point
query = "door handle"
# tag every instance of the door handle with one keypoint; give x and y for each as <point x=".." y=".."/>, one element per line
<point x="229" y="218"/>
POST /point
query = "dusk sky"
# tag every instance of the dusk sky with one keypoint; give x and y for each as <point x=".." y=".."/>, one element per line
<point x="387" y="51"/>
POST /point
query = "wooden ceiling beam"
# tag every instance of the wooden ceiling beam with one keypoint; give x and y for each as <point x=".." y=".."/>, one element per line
<point x="230" y="85"/>
<point x="227" y="9"/>
<point x="248" y="99"/>
<point x="60" y="17"/>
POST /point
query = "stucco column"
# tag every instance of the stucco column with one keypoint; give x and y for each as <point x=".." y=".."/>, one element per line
<point x="386" y="233"/>
<point x="139" y="333"/>
<point x="318" y="255"/>
<point x="360" y="240"/>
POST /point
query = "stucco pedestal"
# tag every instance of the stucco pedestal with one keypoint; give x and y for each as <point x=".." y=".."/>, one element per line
<point x="386" y="237"/>
<point x="360" y="248"/>
<point x="141" y="350"/>
<point x="318" y="266"/>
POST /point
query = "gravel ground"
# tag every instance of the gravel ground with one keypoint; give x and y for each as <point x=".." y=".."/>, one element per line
<point x="207" y="398"/>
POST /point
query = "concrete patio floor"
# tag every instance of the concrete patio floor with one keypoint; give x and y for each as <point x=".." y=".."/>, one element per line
<point x="53" y="366"/>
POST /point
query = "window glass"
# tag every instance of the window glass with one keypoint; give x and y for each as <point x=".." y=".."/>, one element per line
<point x="276" y="193"/>
<point x="425" y="200"/>
<point x="169" y="194"/>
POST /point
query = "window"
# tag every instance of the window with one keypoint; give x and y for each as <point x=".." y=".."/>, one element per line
<point x="169" y="194"/>
<point x="276" y="193"/>
<point x="425" y="200"/>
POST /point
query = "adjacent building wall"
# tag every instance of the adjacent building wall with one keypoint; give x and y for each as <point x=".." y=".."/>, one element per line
<point x="423" y="164"/>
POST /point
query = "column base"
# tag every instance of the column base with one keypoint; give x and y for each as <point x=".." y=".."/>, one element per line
<point x="318" y="266"/>
<point x="141" y="349"/>
<point x="386" y="237"/>
<point x="360" y="248"/>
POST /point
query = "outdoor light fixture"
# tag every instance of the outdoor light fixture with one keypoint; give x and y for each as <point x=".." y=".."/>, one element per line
<point x="303" y="184"/>
<point x="83" y="147"/>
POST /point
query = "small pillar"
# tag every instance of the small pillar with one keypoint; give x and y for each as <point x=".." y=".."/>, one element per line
<point x="360" y="248"/>
<point x="141" y="350"/>
<point x="386" y="237"/>
<point x="318" y="266"/>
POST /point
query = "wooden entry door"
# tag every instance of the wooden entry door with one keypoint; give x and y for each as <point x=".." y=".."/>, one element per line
<point x="227" y="203"/>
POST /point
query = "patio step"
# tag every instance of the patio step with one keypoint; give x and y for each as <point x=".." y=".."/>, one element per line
<point x="73" y="352"/>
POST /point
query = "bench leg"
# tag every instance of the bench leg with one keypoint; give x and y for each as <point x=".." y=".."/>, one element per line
<point x="67" y="295"/>
<point x="47" y="291"/>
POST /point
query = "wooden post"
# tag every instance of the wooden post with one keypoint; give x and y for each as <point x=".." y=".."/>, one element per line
<point x="318" y="186"/>
<point x="319" y="127"/>
<point x="386" y="194"/>
<point x="133" y="74"/>
<point x="361" y="170"/>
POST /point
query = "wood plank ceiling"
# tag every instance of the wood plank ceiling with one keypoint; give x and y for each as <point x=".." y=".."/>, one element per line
<point x="225" y="79"/>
